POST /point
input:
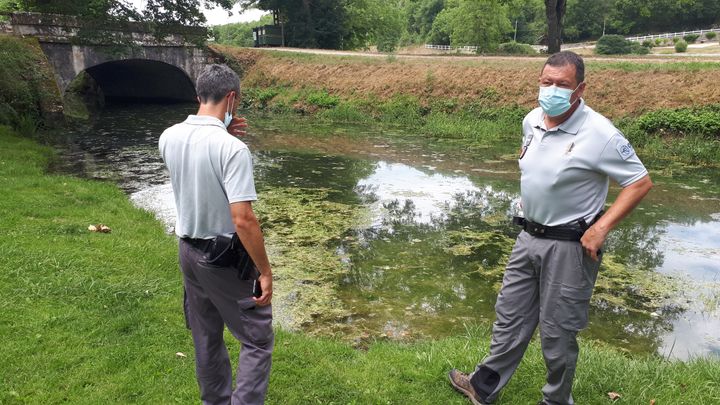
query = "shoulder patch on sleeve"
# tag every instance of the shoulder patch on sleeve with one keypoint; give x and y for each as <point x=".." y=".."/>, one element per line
<point x="625" y="150"/>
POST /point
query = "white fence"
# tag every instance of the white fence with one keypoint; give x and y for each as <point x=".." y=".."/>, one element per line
<point x="450" y="48"/>
<point x="672" y="34"/>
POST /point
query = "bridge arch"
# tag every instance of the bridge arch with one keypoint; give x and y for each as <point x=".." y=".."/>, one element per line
<point x="142" y="79"/>
<point x="147" y="68"/>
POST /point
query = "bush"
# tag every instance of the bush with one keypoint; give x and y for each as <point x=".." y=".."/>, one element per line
<point x="648" y="43"/>
<point x="322" y="99"/>
<point x="618" y="45"/>
<point x="638" y="49"/>
<point x="515" y="48"/>
<point x="703" y="121"/>
<point x="681" y="46"/>
<point x="659" y="41"/>
<point x="257" y="97"/>
<point x="612" y="45"/>
<point x="675" y="40"/>
<point x="710" y="35"/>
<point x="691" y="38"/>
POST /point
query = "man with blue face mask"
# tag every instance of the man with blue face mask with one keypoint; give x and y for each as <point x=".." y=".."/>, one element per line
<point x="568" y="155"/>
<point x="211" y="172"/>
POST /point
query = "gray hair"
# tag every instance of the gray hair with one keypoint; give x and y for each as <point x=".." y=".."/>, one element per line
<point x="565" y="58"/>
<point x="215" y="82"/>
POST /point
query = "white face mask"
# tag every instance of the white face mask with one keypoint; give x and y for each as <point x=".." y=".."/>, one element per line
<point x="228" y="113"/>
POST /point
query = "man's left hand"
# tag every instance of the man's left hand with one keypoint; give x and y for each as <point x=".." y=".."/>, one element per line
<point x="593" y="240"/>
<point x="237" y="126"/>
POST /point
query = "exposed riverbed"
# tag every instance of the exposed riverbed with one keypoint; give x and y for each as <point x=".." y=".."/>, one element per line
<point x="389" y="235"/>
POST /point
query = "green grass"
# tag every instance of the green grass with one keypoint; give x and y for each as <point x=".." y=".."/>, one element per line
<point x="641" y="66"/>
<point x="686" y="136"/>
<point x="90" y="318"/>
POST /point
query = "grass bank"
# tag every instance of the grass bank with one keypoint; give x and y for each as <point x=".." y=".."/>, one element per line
<point x="93" y="318"/>
<point x="669" y="111"/>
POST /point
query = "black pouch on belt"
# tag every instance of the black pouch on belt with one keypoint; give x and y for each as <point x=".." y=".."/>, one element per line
<point x="228" y="251"/>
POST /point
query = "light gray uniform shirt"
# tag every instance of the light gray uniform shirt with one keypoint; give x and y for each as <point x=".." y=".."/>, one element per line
<point x="209" y="170"/>
<point x="565" y="171"/>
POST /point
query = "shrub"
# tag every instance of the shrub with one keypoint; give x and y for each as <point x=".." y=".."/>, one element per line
<point x="322" y="99"/>
<point x="258" y="97"/>
<point x="710" y="35"/>
<point x="515" y="48"/>
<point x="702" y="121"/>
<point x="612" y="45"/>
<point x="681" y="46"/>
<point x="648" y="43"/>
<point x="691" y="38"/>
<point x="676" y="39"/>
<point x="659" y="41"/>
<point x="638" y="49"/>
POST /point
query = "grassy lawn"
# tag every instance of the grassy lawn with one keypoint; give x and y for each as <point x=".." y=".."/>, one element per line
<point x="90" y="318"/>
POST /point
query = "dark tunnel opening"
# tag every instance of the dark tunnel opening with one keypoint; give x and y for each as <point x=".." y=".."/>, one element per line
<point x="137" y="80"/>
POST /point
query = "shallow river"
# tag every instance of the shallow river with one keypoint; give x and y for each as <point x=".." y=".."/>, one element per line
<point x="413" y="266"/>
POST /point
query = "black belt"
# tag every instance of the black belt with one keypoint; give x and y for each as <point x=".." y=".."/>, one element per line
<point x="200" y="244"/>
<point x="562" y="232"/>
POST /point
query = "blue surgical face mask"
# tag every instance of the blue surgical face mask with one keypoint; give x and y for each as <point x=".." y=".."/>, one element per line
<point x="228" y="113"/>
<point x="555" y="100"/>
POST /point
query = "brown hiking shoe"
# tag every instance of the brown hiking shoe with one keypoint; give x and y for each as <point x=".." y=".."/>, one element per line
<point x="461" y="382"/>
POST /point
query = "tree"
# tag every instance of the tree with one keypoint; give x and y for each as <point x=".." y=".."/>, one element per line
<point x="555" y="11"/>
<point x="481" y="23"/>
<point x="239" y="34"/>
<point x="420" y="17"/>
<point x="586" y="19"/>
<point x="156" y="12"/>
<point x="378" y="22"/>
<point x="529" y="19"/>
<point x="307" y="23"/>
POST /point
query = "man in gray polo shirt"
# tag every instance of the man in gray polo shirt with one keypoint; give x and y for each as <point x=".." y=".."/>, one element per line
<point x="569" y="153"/>
<point x="212" y="178"/>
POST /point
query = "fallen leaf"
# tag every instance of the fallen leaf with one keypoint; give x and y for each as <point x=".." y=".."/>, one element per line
<point x="652" y="402"/>
<point x="180" y="354"/>
<point x="614" y="396"/>
<point x="99" y="228"/>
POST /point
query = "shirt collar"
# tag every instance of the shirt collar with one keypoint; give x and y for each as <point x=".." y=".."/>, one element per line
<point x="571" y="125"/>
<point x="204" y="120"/>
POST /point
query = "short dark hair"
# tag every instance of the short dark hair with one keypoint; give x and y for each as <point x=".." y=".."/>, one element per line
<point x="565" y="58"/>
<point x="215" y="82"/>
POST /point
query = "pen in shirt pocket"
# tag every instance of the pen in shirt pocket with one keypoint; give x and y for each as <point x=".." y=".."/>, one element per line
<point x="570" y="148"/>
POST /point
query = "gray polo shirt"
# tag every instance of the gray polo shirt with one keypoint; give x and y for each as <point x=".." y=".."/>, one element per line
<point x="209" y="170"/>
<point x="565" y="171"/>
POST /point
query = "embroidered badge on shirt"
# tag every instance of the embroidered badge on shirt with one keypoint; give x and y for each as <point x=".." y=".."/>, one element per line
<point x="625" y="150"/>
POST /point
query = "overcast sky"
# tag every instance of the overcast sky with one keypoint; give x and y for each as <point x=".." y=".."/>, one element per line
<point x="218" y="16"/>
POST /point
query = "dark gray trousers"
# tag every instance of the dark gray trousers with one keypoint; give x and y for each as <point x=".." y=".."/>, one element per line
<point x="546" y="282"/>
<point x="215" y="297"/>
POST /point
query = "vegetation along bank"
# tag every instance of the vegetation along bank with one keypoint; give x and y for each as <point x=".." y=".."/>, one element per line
<point x="85" y="321"/>
<point x="670" y="110"/>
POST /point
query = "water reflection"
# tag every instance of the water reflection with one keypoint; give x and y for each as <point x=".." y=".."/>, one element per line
<point x="430" y="257"/>
<point x="405" y="192"/>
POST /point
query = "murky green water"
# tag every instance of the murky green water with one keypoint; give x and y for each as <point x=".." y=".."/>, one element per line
<point x="428" y="234"/>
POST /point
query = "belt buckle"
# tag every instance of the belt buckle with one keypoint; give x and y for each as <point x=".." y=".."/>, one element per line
<point x="537" y="229"/>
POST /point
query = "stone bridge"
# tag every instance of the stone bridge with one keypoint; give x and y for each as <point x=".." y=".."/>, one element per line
<point x="125" y="62"/>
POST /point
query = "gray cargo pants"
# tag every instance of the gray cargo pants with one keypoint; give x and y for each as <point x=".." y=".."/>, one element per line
<point x="214" y="297"/>
<point x="549" y="282"/>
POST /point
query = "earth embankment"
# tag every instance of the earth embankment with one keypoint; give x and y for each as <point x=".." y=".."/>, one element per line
<point x="616" y="87"/>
